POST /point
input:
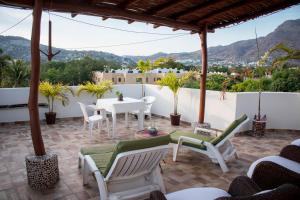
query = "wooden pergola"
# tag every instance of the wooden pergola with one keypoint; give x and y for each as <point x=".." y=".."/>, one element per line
<point x="196" y="16"/>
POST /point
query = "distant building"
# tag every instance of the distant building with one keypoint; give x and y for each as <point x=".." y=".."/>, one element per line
<point x="126" y="76"/>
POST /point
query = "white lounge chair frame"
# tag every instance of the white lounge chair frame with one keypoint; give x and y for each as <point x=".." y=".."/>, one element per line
<point x="133" y="174"/>
<point x="212" y="151"/>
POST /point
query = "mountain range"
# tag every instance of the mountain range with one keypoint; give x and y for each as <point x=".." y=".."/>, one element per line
<point x="241" y="52"/>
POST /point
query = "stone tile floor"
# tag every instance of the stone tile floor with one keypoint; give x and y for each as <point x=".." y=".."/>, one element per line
<point x="67" y="136"/>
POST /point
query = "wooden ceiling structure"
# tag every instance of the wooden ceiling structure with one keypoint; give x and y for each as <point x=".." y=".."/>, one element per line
<point x="196" y="16"/>
<point x="191" y="15"/>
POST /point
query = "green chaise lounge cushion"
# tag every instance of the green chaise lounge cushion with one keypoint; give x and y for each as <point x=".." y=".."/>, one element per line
<point x="229" y="129"/>
<point x="102" y="160"/>
<point x="214" y="140"/>
<point x="105" y="160"/>
<point x="103" y="148"/>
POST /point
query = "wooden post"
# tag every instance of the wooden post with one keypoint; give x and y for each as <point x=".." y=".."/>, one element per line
<point x="203" y="38"/>
<point x="36" y="135"/>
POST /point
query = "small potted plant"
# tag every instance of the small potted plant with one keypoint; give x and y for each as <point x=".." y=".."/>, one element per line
<point x="174" y="84"/>
<point x="54" y="92"/>
<point x="119" y="95"/>
<point x="97" y="90"/>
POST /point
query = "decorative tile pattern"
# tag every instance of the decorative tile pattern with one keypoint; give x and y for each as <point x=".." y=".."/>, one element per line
<point x="67" y="136"/>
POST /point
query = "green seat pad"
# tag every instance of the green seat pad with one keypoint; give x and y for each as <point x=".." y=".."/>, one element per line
<point x="131" y="145"/>
<point x="175" y="137"/>
<point x="229" y="129"/>
<point x="102" y="160"/>
<point x="104" y="148"/>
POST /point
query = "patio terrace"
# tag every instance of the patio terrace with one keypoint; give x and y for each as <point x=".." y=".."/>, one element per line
<point x="66" y="138"/>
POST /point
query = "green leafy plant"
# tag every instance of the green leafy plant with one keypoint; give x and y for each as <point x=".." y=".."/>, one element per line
<point x="55" y="92"/>
<point x="17" y="73"/>
<point x="279" y="61"/>
<point x="174" y="84"/>
<point x="97" y="90"/>
<point x="118" y="93"/>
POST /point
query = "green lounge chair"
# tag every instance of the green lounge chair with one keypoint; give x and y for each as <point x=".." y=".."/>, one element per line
<point x="127" y="170"/>
<point x="209" y="145"/>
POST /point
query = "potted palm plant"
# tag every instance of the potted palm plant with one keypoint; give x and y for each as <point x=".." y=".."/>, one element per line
<point x="97" y="90"/>
<point x="174" y="84"/>
<point x="54" y="92"/>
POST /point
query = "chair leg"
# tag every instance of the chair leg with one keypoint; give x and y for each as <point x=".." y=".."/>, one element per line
<point x="100" y="125"/>
<point x="91" y="126"/>
<point x="107" y="126"/>
<point x="175" y="151"/>
<point x="159" y="180"/>
<point x="84" y="125"/>
<point x="220" y="159"/>
<point x="85" y="172"/>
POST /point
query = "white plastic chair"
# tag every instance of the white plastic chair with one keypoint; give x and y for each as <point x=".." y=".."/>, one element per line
<point x="91" y="120"/>
<point x="149" y="100"/>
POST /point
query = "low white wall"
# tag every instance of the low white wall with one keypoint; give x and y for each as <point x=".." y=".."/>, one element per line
<point x="9" y="96"/>
<point x="282" y="109"/>
<point x="218" y="113"/>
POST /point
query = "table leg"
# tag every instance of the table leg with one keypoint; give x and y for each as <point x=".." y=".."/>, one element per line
<point x="141" y="120"/>
<point x="114" y="119"/>
<point x="126" y="119"/>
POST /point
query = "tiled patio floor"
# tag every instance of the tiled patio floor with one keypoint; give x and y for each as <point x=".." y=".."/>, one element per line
<point x="66" y="137"/>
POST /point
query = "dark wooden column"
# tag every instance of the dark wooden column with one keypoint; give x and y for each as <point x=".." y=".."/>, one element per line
<point x="203" y="38"/>
<point x="36" y="135"/>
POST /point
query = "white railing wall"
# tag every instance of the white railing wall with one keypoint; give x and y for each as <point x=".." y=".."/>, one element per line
<point x="282" y="109"/>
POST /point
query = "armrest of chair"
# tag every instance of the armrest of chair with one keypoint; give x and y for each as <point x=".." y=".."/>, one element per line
<point x="204" y="130"/>
<point x="283" y="192"/>
<point x="242" y="186"/>
<point x="193" y="140"/>
<point x="157" y="195"/>
<point x="269" y="175"/>
<point x="291" y="152"/>
<point x="92" y="166"/>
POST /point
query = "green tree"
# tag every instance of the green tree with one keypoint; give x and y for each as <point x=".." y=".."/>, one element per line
<point x="174" y="84"/>
<point x="214" y="81"/>
<point x="4" y="62"/>
<point x="286" y="80"/>
<point x="17" y="74"/>
<point x="144" y="66"/>
<point x="279" y="61"/>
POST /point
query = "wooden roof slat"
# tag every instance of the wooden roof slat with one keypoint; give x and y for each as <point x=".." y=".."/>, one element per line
<point x="200" y="7"/>
<point x="214" y="13"/>
<point x="163" y="6"/>
<point x="223" y="10"/>
<point x="126" y="3"/>
<point x="248" y="16"/>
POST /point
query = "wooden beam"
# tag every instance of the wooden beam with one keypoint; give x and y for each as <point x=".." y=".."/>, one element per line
<point x="126" y="3"/>
<point x="36" y="135"/>
<point x="203" y="38"/>
<point x="163" y="6"/>
<point x="221" y="11"/>
<point x="113" y="12"/>
<point x="198" y="8"/>
<point x="249" y="16"/>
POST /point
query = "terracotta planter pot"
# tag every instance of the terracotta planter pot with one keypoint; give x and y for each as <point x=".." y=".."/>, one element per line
<point x="50" y="117"/>
<point x="175" y="119"/>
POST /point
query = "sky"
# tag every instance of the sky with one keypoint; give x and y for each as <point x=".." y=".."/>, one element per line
<point x="73" y="35"/>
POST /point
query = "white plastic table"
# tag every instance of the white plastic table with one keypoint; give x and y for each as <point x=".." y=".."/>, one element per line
<point x="127" y="105"/>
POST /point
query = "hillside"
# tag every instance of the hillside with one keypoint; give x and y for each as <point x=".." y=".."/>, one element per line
<point x="19" y="48"/>
<point x="240" y="52"/>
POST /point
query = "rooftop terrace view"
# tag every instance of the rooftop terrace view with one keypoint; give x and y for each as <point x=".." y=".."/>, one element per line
<point x="81" y="123"/>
